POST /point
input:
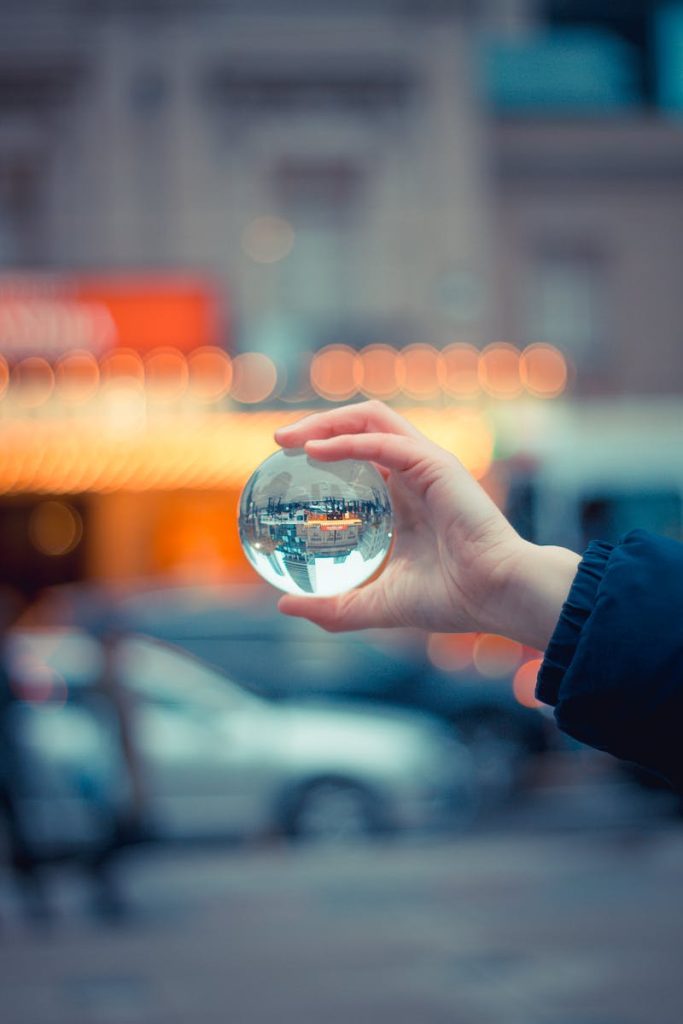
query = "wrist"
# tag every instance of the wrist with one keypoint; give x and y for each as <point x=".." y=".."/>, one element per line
<point x="537" y="585"/>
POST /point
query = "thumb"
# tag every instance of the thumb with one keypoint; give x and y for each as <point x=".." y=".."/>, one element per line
<point x="359" y="609"/>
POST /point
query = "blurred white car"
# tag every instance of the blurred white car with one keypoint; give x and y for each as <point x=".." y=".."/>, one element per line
<point x="220" y="760"/>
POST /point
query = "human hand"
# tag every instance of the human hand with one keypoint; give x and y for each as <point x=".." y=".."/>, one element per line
<point x="457" y="564"/>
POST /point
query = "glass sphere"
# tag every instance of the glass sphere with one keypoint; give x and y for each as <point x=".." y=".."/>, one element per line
<point x="312" y="527"/>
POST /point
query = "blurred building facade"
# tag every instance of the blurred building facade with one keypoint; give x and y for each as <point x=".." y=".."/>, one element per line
<point x="437" y="172"/>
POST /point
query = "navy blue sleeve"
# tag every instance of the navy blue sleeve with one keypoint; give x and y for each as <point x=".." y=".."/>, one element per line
<point x="613" y="669"/>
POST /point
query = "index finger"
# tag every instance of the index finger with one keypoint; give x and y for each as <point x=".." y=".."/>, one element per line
<point x="360" y="418"/>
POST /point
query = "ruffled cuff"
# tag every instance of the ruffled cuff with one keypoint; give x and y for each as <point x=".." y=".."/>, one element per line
<point x="575" y="611"/>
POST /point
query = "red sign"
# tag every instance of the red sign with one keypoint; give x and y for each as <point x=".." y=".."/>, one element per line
<point x="49" y="315"/>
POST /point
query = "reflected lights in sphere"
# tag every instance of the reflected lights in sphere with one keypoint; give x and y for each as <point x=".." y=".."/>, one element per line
<point x="381" y="371"/>
<point x="524" y="683"/>
<point x="166" y="373"/>
<point x="55" y="528"/>
<point x="420" y="371"/>
<point x="210" y="374"/>
<point x="78" y="377"/>
<point x="268" y="239"/>
<point x="451" y="652"/>
<point x="34" y="380"/>
<point x="254" y="377"/>
<point x="310" y="527"/>
<point x="335" y="372"/>
<point x="496" y="656"/>
<point x="459" y="368"/>
<point x="499" y="370"/>
<point x="543" y="370"/>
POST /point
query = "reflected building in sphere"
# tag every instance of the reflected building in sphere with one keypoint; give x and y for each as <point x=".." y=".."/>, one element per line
<point x="315" y="528"/>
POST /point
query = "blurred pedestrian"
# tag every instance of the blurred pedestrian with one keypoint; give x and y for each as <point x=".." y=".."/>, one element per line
<point x="610" y="622"/>
<point x="115" y="792"/>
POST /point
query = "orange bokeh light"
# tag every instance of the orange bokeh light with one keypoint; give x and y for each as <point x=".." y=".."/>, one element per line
<point x="78" y="377"/>
<point x="35" y="380"/>
<point x="495" y="656"/>
<point x="210" y="371"/>
<point x="381" y="371"/>
<point x="122" y="363"/>
<point x="451" y="651"/>
<point x="4" y="375"/>
<point x="335" y="372"/>
<point x="543" y="370"/>
<point x="166" y="373"/>
<point x="524" y="683"/>
<point x="459" y="370"/>
<point x="254" y="377"/>
<point x="499" y="370"/>
<point x="421" y="371"/>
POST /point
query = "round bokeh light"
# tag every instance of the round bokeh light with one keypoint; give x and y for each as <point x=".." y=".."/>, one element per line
<point x="318" y="528"/>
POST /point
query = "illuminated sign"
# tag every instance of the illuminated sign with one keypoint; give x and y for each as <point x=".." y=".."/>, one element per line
<point x="49" y="315"/>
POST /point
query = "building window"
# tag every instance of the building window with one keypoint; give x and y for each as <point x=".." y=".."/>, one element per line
<point x="321" y="199"/>
<point x="566" y="302"/>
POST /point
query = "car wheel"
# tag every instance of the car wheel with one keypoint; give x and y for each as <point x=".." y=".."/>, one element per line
<point x="332" y="811"/>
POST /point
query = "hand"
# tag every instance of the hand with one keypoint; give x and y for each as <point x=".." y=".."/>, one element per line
<point x="457" y="564"/>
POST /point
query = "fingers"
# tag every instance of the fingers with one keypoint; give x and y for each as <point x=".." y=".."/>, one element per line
<point x="348" y="419"/>
<point x="387" y="450"/>
<point x="359" y="609"/>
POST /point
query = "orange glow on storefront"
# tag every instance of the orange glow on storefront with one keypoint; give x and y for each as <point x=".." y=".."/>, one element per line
<point x="122" y="449"/>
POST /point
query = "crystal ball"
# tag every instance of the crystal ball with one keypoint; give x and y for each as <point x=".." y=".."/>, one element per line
<point x="312" y="527"/>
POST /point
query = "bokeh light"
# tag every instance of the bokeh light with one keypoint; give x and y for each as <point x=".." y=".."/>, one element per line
<point x="499" y="370"/>
<point x="254" y="377"/>
<point x="268" y="239"/>
<point x="381" y="371"/>
<point x="459" y="370"/>
<point x="421" y="371"/>
<point x="34" y="380"/>
<point x="543" y="370"/>
<point x="166" y="374"/>
<point x="4" y="375"/>
<point x="55" y="528"/>
<point x="122" y="364"/>
<point x="335" y="372"/>
<point x="77" y="376"/>
<point x="451" y="652"/>
<point x="35" y="682"/>
<point x="496" y="656"/>
<point x="524" y="683"/>
<point x="210" y="374"/>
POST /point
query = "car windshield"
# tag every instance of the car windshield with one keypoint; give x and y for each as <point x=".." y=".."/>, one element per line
<point x="158" y="673"/>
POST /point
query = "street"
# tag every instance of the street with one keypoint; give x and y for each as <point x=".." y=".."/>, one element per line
<point x="538" y="918"/>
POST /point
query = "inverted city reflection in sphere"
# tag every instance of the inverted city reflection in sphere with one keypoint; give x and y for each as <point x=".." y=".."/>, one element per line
<point x="312" y="527"/>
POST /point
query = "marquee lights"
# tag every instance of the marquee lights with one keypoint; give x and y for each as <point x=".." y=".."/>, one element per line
<point x="337" y="373"/>
<point x="212" y="451"/>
